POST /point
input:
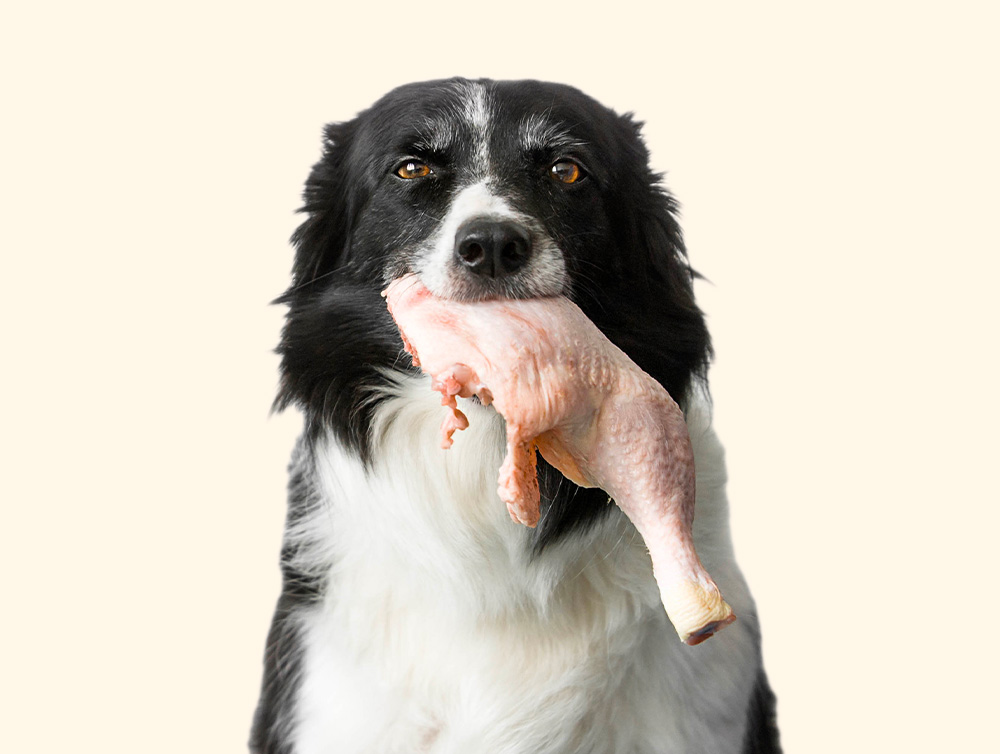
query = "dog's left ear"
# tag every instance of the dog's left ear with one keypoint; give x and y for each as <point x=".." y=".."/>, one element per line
<point x="655" y="271"/>
<point x="321" y="240"/>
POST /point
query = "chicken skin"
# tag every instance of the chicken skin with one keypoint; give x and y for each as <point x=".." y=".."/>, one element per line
<point x="566" y="391"/>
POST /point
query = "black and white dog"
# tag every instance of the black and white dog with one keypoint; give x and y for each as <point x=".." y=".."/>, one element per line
<point x="415" y="616"/>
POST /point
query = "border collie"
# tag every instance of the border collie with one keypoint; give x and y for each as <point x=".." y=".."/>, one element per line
<point x="415" y="616"/>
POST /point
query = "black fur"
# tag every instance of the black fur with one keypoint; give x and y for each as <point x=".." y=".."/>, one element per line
<point x="762" y="721"/>
<point x="336" y="340"/>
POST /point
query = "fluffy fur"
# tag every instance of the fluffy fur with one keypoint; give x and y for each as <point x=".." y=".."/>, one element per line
<point x="415" y="616"/>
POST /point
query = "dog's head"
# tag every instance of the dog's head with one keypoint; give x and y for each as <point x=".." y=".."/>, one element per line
<point x="489" y="189"/>
<point x="493" y="189"/>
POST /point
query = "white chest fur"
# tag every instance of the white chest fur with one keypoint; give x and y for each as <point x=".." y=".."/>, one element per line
<point x="440" y="634"/>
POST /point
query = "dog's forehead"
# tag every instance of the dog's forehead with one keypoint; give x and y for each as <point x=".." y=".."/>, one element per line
<point x="456" y="114"/>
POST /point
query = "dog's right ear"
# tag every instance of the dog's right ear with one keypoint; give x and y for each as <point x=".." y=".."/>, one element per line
<point x="321" y="241"/>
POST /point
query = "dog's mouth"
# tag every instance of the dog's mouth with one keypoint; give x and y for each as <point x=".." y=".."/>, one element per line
<point x="468" y="290"/>
<point x="474" y="273"/>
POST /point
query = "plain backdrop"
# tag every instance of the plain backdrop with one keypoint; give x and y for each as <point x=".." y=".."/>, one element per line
<point x="838" y="168"/>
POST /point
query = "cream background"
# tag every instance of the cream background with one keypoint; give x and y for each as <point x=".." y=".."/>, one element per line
<point x="838" y="168"/>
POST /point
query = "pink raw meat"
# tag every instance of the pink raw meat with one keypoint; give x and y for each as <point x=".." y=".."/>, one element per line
<point x="565" y="389"/>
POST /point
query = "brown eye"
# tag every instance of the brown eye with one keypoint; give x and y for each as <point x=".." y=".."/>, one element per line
<point x="566" y="171"/>
<point x="413" y="169"/>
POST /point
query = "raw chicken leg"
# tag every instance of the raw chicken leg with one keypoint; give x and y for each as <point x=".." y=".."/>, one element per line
<point x="566" y="390"/>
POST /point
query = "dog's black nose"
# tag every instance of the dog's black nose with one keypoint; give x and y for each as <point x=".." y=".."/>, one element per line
<point x="491" y="247"/>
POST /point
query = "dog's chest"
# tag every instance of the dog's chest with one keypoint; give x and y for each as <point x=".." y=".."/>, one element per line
<point x="440" y="633"/>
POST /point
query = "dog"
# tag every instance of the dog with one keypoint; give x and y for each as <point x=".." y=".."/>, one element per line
<point x="415" y="616"/>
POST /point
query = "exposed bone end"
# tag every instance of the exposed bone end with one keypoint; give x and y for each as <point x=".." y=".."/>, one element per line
<point x="697" y="610"/>
<point x="709" y="630"/>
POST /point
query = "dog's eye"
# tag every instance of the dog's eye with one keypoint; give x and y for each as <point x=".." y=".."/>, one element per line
<point x="413" y="169"/>
<point x="566" y="171"/>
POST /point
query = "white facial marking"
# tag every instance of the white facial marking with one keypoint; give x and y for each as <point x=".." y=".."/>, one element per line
<point x="476" y="112"/>
<point x="543" y="275"/>
<point x="474" y="201"/>
<point x="476" y="109"/>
